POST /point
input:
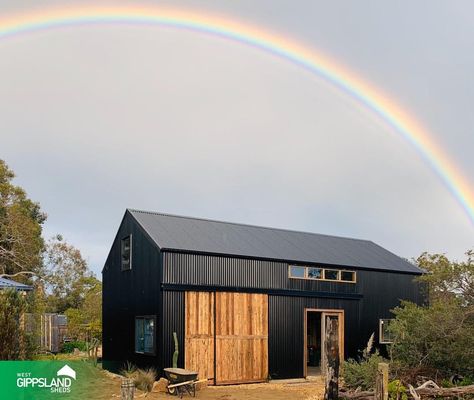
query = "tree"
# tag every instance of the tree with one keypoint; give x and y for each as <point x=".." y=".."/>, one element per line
<point x="448" y="279"/>
<point x="85" y="322"/>
<point x="14" y="342"/>
<point x="21" y="220"/>
<point x="66" y="274"/>
<point x="435" y="340"/>
<point x="438" y="339"/>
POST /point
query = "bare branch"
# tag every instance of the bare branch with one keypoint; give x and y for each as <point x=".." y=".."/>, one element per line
<point x="20" y="273"/>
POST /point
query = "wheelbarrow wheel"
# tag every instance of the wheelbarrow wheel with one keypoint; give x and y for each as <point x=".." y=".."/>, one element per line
<point x="172" y="391"/>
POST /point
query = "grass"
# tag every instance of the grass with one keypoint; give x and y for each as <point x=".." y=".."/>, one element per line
<point x="142" y="378"/>
<point x="145" y="379"/>
<point x="58" y="357"/>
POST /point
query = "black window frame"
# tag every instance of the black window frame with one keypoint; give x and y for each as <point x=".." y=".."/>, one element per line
<point x="143" y="318"/>
<point x="129" y="251"/>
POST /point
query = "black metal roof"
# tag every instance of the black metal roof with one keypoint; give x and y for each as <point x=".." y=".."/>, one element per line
<point x="173" y="232"/>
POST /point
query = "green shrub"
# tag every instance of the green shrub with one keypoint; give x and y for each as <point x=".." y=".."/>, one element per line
<point x="70" y="346"/>
<point x="434" y="341"/>
<point x="396" y="391"/>
<point x="466" y="381"/>
<point x="362" y="372"/>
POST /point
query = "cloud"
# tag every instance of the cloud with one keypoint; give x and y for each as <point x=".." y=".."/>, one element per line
<point x="98" y="119"/>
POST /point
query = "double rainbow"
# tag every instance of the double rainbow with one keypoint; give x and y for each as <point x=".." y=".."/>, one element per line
<point x="314" y="61"/>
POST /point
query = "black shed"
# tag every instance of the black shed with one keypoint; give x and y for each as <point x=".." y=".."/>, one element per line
<point x="247" y="302"/>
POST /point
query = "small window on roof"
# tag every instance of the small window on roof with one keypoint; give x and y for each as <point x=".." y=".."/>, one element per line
<point x="297" y="272"/>
<point x="385" y="336"/>
<point x="126" y="253"/>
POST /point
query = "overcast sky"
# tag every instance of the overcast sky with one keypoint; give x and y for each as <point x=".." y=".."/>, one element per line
<point x="95" y="119"/>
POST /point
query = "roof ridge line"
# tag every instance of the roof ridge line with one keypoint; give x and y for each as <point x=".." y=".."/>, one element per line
<point x="249" y="225"/>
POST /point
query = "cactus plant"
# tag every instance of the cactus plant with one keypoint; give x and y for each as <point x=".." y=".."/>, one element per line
<point x="176" y="351"/>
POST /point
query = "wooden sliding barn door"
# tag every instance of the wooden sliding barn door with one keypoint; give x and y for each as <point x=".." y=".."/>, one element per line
<point x="226" y="334"/>
<point x="241" y="337"/>
<point x="199" y="334"/>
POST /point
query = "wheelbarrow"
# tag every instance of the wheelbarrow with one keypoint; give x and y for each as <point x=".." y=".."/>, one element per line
<point x="181" y="381"/>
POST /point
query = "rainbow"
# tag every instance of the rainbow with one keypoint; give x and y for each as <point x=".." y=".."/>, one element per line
<point x="303" y="56"/>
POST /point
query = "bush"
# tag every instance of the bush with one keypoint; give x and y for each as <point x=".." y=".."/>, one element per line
<point x="142" y="378"/>
<point x="433" y="341"/>
<point x="396" y="391"/>
<point x="463" y="382"/>
<point x="145" y="378"/>
<point x="70" y="346"/>
<point x="362" y="372"/>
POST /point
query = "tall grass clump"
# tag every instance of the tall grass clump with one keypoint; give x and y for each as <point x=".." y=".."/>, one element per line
<point x="145" y="379"/>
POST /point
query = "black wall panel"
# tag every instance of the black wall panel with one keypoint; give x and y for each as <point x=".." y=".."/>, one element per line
<point x="286" y="331"/>
<point x="173" y="321"/>
<point x="127" y="294"/>
<point x="194" y="269"/>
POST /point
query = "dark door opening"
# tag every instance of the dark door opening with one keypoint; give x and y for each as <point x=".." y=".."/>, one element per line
<point x="313" y="343"/>
<point x="315" y="325"/>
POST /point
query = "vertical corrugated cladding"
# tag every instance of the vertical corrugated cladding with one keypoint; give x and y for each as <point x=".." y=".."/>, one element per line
<point x="215" y="270"/>
<point x="364" y="302"/>
<point x="286" y="331"/>
<point x="195" y="269"/>
<point x="173" y="321"/>
<point x="128" y="294"/>
<point x="382" y="292"/>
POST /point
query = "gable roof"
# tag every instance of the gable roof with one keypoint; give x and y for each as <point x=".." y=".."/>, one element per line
<point x="9" y="284"/>
<point x="173" y="232"/>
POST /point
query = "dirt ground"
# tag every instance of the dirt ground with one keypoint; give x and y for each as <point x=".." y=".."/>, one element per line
<point x="286" y="390"/>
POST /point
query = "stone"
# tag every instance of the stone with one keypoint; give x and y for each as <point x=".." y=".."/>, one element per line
<point x="160" y="386"/>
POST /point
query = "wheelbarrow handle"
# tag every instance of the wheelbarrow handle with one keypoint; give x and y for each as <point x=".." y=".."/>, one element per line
<point x="182" y="384"/>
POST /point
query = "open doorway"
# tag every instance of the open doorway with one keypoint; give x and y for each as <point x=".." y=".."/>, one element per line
<point x="315" y="322"/>
<point x="313" y="343"/>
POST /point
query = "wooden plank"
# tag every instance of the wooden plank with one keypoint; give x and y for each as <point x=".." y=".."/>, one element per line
<point x="381" y="382"/>
<point x="340" y="318"/>
<point x="331" y="341"/>
<point x="199" y="333"/>
<point x="241" y="337"/>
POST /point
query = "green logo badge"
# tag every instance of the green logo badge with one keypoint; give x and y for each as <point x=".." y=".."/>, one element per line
<point x="37" y="380"/>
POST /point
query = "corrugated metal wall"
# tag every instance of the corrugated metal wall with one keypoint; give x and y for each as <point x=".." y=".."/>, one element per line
<point x="173" y="321"/>
<point x="380" y="292"/>
<point x="127" y="294"/>
<point x="286" y="331"/>
<point x="192" y="269"/>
